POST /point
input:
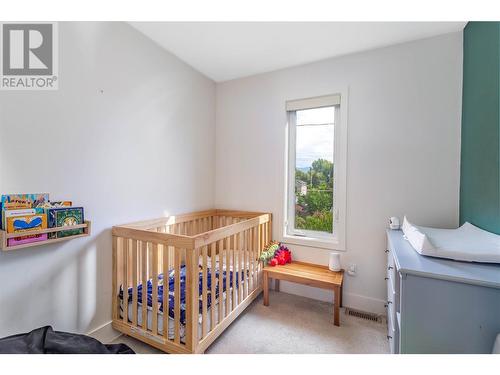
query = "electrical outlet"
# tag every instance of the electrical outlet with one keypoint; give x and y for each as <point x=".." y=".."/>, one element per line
<point x="351" y="270"/>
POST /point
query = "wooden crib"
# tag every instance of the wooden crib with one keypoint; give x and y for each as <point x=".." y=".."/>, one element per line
<point x="223" y="243"/>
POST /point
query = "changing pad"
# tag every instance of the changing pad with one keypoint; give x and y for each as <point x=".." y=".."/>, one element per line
<point x="467" y="243"/>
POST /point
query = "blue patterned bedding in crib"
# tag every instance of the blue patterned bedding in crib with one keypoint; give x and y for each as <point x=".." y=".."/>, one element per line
<point x="171" y="289"/>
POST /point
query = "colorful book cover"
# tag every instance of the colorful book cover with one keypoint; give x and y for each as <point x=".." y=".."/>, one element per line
<point x="56" y="204"/>
<point x="14" y="201"/>
<point x="25" y="224"/>
<point x="60" y="217"/>
<point x="19" y="212"/>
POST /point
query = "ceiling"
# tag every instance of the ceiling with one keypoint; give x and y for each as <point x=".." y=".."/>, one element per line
<point x="227" y="50"/>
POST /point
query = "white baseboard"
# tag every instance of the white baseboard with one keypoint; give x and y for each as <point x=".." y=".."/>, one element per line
<point x="363" y="303"/>
<point x="105" y="333"/>
<point x="355" y="301"/>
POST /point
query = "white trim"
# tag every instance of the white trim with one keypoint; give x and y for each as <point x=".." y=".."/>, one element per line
<point x="340" y="176"/>
<point x="336" y="241"/>
<point x="316" y="102"/>
<point x="327" y="243"/>
<point x="364" y="303"/>
<point x="105" y="333"/>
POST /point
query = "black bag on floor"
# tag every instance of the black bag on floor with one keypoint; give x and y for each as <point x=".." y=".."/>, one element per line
<point x="45" y="340"/>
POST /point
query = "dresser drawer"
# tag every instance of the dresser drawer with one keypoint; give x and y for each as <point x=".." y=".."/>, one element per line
<point x="391" y="293"/>
<point x="392" y="333"/>
<point x="390" y="303"/>
<point x="391" y="272"/>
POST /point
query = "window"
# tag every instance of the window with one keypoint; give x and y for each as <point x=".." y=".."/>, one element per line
<point x="315" y="209"/>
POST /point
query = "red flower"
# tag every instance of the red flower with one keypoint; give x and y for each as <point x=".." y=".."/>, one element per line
<point x="282" y="260"/>
<point x="273" y="262"/>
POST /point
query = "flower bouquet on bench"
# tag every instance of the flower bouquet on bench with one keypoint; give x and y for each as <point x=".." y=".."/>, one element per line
<point x="275" y="254"/>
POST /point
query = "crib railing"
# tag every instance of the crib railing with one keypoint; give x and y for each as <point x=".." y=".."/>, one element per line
<point x="218" y="247"/>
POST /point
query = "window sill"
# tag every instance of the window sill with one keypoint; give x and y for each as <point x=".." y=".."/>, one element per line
<point x="332" y="244"/>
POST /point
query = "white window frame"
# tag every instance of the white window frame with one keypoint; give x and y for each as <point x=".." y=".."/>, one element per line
<point x="335" y="240"/>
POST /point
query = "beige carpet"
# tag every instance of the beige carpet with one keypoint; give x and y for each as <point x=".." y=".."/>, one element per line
<point x="291" y="324"/>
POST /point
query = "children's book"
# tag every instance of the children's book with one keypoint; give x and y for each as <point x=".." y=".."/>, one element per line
<point x="56" y="204"/>
<point x="60" y="217"/>
<point x="24" y="224"/>
<point x="15" y="201"/>
<point x="19" y="212"/>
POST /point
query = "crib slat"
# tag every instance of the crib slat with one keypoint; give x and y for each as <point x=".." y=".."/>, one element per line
<point x="116" y="278"/>
<point x="166" y="305"/>
<point x="250" y="264"/>
<point x="223" y="261"/>
<point x="245" y="263"/>
<point x="177" y="294"/>
<point x="250" y="260"/>
<point x="257" y="252"/>
<point x="221" y="277"/>
<point x="144" y="299"/>
<point x="241" y="276"/>
<point x="255" y="256"/>
<point x="264" y="242"/>
<point x="228" y="273"/>
<point x="139" y="267"/>
<point x="238" y="262"/>
<point x="125" y="279"/>
<point x="192" y="297"/>
<point x="241" y="238"/>
<point x="263" y="235"/>
<point x="134" y="282"/>
<point x="154" y="325"/>
<point x="213" y="273"/>
<point x="204" y="293"/>
<point x="235" y="272"/>
<point x="267" y="233"/>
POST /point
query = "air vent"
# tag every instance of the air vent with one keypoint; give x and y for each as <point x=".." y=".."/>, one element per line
<point x="363" y="315"/>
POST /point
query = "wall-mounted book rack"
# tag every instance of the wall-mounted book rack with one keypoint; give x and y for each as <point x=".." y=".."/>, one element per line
<point x="4" y="236"/>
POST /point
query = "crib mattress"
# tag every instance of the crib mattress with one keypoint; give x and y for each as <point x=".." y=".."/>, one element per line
<point x="168" y="282"/>
<point x="171" y="326"/>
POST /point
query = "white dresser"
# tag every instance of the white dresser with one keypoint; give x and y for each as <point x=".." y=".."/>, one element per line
<point x="438" y="305"/>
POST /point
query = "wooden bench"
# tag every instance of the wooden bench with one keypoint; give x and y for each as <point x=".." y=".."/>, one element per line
<point x="307" y="274"/>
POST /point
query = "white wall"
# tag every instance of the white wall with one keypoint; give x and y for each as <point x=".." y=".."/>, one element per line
<point x="141" y="148"/>
<point x="403" y="148"/>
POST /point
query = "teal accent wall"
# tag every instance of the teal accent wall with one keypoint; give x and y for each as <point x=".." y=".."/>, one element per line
<point x="480" y="163"/>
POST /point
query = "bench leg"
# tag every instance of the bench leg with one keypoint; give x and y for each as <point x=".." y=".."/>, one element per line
<point x="336" y="307"/>
<point x="276" y="285"/>
<point x="341" y="292"/>
<point x="266" y="289"/>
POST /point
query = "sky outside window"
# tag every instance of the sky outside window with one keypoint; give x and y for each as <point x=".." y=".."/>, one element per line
<point x="314" y="136"/>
